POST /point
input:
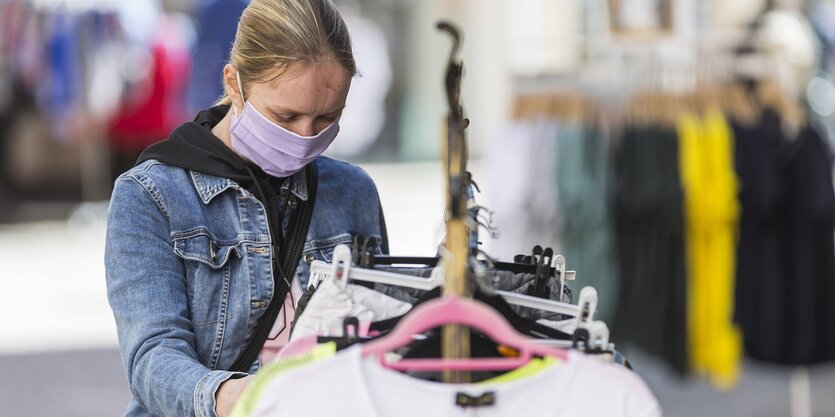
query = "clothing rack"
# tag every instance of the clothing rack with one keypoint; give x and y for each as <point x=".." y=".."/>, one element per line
<point x="743" y="89"/>
<point x="455" y="339"/>
<point x="658" y="106"/>
<point x="611" y="80"/>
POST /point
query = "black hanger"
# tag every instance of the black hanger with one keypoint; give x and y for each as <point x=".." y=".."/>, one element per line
<point x="367" y="252"/>
<point x="541" y="288"/>
<point x="430" y="262"/>
<point x="363" y="251"/>
<point x="523" y="325"/>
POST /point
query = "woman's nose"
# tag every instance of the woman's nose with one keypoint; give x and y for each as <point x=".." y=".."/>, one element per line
<point x="305" y="129"/>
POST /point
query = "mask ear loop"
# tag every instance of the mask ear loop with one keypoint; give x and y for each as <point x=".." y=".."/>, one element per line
<point x="240" y="85"/>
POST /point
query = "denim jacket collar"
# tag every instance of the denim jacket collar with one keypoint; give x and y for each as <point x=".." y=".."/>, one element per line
<point x="209" y="186"/>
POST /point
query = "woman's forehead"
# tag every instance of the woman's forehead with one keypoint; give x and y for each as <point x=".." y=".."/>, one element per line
<point x="306" y="88"/>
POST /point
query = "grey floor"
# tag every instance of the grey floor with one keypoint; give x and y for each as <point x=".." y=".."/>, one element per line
<point x="92" y="384"/>
<point x="763" y="391"/>
<point x="67" y="384"/>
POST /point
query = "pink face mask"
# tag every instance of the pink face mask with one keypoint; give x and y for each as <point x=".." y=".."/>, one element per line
<point x="276" y="150"/>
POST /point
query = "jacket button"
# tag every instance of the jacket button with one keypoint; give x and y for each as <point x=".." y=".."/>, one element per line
<point x="292" y="203"/>
<point x="309" y="258"/>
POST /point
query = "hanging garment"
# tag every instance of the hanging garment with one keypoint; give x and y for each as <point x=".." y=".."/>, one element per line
<point x="523" y="162"/>
<point x="587" y="231"/>
<point x="104" y="65"/>
<point x="809" y="333"/>
<point x="323" y="315"/>
<point x="330" y="305"/>
<point x="760" y="303"/>
<point x="711" y="213"/>
<point x="523" y="325"/>
<point x="157" y="105"/>
<point x="650" y="235"/>
<point x="498" y="280"/>
<point x="250" y="398"/>
<point x="786" y="276"/>
<point x="216" y="25"/>
<point x="364" y="117"/>
<point x="352" y="385"/>
<point x="63" y="98"/>
<point x="535" y="366"/>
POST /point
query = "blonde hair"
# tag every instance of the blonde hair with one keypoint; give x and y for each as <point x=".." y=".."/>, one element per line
<point x="274" y="34"/>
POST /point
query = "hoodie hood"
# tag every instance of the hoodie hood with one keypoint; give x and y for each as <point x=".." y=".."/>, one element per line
<point x="193" y="146"/>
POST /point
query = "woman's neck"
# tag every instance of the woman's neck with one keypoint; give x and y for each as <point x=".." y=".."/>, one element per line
<point x="221" y="130"/>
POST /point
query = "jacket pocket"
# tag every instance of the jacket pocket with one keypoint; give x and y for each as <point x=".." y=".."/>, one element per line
<point x="200" y="246"/>
<point x="210" y="264"/>
<point x="322" y="249"/>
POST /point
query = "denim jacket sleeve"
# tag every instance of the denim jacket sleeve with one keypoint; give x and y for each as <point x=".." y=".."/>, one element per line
<point x="146" y="289"/>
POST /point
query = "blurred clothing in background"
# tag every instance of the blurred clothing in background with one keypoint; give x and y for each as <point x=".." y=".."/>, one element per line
<point x="217" y="22"/>
<point x="154" y="104"/>
<point x="365" y="110"/>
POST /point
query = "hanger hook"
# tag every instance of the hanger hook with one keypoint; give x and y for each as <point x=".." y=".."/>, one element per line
<point x="448" y="27"/>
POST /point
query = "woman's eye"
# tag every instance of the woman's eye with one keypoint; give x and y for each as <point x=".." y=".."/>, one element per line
<point x="285" y="119"/>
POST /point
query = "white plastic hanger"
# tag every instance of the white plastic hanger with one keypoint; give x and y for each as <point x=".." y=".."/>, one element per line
<point x="340" y="267"/>
<point x="583" y="312"/>
<point x="598" y="331"/>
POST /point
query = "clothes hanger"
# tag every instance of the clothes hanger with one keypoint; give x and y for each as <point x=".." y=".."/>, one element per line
<point x="583" y="313"/>
<point x="461" y="311"/>
<point x="498" y="303"/>
<point x="481" y="346"/>
<point x="540" y="288"/>
<point x="515" y="267"/>
<point x="341" y="268"/>
<point x="539" y="264"/>
<point x="521" y="265"/>
<point x="583" y="333"/>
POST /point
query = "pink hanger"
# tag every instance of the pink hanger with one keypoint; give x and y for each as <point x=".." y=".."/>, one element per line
<point x="454" y="310"/>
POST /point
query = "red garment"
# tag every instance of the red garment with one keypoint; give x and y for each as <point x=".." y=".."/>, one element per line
<point x="158" y="104"/>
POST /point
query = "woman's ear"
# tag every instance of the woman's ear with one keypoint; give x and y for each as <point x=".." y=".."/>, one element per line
<point x="230" y="83"/>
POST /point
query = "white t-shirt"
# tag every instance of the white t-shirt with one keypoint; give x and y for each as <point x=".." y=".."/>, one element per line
<point x="349" y="385"/>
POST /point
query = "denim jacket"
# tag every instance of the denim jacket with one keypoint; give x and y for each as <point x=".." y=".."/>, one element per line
<point x="189" y="272"/>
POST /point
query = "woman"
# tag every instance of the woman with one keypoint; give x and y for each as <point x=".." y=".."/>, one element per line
<point x="207" y="232"/>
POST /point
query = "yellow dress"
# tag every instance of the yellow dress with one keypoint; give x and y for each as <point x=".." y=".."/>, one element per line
<point x="712" y="213"/>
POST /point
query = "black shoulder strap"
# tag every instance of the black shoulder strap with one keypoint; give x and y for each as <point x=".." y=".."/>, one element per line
<point x="289" y="256"/>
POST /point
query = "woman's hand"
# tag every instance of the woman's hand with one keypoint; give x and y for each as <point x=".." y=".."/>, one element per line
<point x="228" y="393"/>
